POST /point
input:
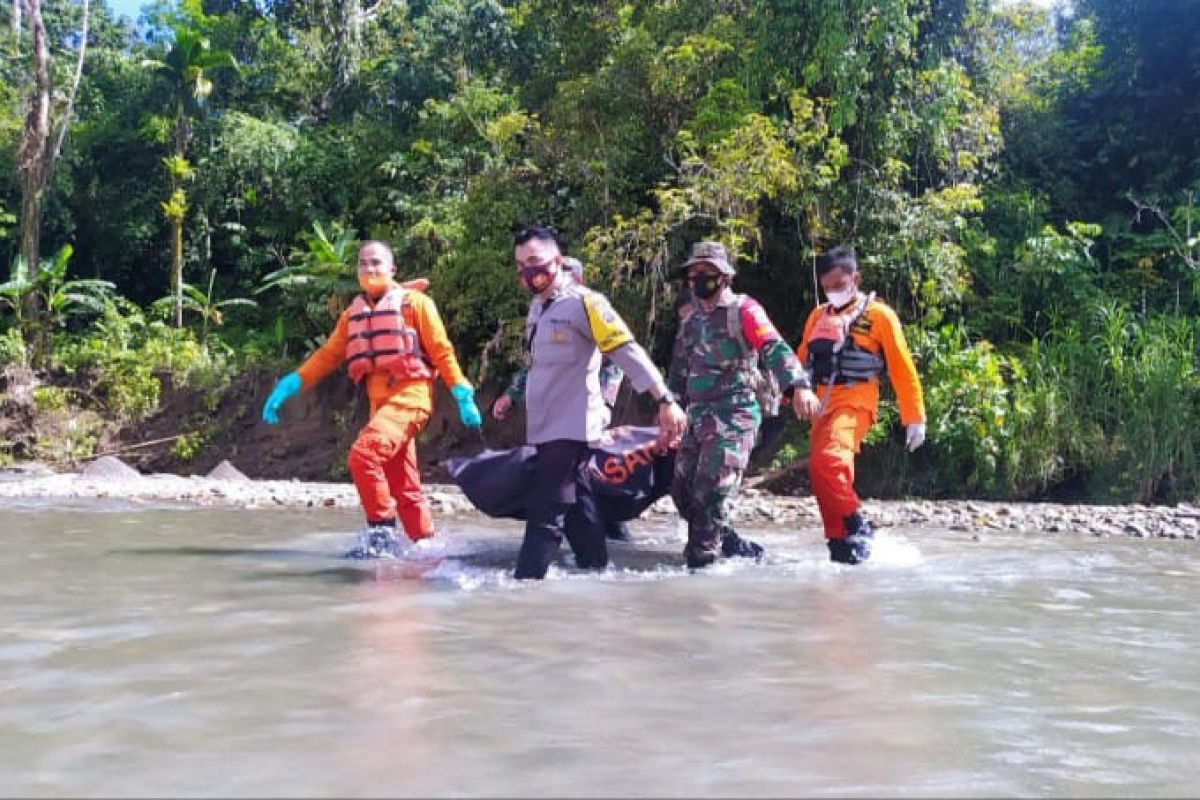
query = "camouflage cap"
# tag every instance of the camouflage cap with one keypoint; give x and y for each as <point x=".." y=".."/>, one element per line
<point x="713" y="253"/>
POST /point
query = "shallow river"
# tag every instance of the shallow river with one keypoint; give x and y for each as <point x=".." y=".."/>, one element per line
<point x="176" y="652"/>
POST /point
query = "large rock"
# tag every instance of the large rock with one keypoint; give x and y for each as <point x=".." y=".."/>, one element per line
<point x="110" y="468"/>
<point x="227" y="472"/>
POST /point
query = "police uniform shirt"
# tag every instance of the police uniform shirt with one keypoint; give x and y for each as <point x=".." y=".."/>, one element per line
<point x="565" y="335"/>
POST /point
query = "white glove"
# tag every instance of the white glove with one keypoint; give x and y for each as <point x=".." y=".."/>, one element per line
<point x="916" y="435"/>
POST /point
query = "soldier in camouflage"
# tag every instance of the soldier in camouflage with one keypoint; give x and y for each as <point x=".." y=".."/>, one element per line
<point x="714" y="368"/>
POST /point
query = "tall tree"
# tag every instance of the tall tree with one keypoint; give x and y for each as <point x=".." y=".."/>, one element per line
<point x="36" y="156"/>
<point x="31" y="157"/>
<point x="187" y="66"/>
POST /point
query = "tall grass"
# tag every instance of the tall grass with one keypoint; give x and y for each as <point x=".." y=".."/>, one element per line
<point x="1106" y="400"/>
<point x="1134" y="386"/>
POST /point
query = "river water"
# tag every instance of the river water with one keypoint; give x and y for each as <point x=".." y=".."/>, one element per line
<point x="186" y="652"/>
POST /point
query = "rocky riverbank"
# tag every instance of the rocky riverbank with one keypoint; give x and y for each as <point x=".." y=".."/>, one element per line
<point x="110" y="479"/>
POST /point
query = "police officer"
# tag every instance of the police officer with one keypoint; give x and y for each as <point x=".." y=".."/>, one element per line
<point x="714" y="366"/>
<point x="610" y="386"/>
<point x="567" y="330"/>
<point x="610" y="374"/>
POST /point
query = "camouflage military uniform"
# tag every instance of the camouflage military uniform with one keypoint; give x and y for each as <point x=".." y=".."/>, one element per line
<point x="713" y="372"/>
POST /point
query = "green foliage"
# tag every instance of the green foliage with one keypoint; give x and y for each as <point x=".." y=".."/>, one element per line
<point x="204" y="305"/>
<point x="1018" y="183"/>
<point x="719" y="192"/>
<point x="969" y="404"/>
<point x="50" y="398"/>
<point x="997" y="428"/>
<point x="126" y="358"/>
<point x="318" y="281"/>
<point x="199" y="431"/>
<point x="1132" y="387"/>
<point x="60" y="298"/>
<point x="12" y="348"/>
<point x="188" y="446"/>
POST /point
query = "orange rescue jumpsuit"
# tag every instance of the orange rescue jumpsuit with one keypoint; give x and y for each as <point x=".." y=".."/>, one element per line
<point x="850" y="410"/>
<point x="383" y="459"/>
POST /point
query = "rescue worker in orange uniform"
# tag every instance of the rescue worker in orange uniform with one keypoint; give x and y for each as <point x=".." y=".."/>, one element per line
<point x="394" y="345"/>
<point x="848" y="343"/>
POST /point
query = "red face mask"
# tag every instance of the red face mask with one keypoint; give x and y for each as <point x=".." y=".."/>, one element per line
<point x="537" y="278"/>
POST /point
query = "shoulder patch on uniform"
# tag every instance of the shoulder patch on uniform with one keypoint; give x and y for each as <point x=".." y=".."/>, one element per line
<point x="608" y="329"/>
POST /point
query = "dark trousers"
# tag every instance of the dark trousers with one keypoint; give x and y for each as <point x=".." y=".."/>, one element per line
<point x="561" y="500"/>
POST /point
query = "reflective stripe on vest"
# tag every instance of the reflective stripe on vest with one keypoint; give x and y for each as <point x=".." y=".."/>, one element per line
<point x="834" y="356"/>
<point x="381" y="338"/>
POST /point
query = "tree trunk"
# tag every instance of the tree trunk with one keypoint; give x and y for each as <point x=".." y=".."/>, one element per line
<point x="16" y="18"/>
<point x="31" y="165"/>
<point x="31" y="158"/>
<point x="65" y="124"/>
<point x="183" y="134"/>
<point x="347" y="42"/>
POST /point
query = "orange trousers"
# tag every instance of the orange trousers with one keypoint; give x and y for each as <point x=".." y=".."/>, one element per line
<point x="836" y="439"/>
<point x="383" y="465"/>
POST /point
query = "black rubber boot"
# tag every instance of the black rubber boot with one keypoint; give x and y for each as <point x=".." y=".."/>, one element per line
<point x="856" y="547"/>
<point x="617" y="531"/>
<point x="698" y="556"/>
<point x="735" y="546"/>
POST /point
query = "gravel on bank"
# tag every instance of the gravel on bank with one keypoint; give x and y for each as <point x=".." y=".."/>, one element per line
<point x="226" y="486"/>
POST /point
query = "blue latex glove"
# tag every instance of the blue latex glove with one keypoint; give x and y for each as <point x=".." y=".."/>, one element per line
<point x="288" y="385"/>
<point x="468" y="412"/>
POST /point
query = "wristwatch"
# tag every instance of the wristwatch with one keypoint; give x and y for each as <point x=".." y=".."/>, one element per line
<point x="666" y="398"/>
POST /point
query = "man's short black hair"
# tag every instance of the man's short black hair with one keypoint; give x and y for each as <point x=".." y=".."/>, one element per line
<point x="840" y="256"/>
<point x="543" y="233"/>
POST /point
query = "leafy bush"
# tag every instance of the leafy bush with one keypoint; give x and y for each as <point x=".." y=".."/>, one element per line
<point x="12" y="348"/>
<point x="992" y="430"/>
<point x="126" y="359"/>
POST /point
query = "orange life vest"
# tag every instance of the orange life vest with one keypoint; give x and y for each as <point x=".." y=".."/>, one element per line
<point x="383" y="338"/>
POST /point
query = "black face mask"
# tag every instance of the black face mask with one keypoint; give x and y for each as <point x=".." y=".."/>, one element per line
<point x="706" y="286"/>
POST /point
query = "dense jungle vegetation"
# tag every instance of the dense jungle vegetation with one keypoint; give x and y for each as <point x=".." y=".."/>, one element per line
<point x="181" y="198"/>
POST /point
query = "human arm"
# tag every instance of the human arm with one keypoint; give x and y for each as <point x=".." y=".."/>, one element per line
<point x="610" y="381"/>
<point x="902" y="372"/>
<point x="436" y="344"/>
<point x="328" y="357"/>
<point x="285" y="388"/>
<point x="677" y="369"/>
<point x="434" y="340"/>
<point x="778" y="359"/>
<point x="802" y="347"/>
<point x="615" y="340"/>
<point x="761" y="334"/>
<point x="325" y="360"/>
<point x="513" y="394"/>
